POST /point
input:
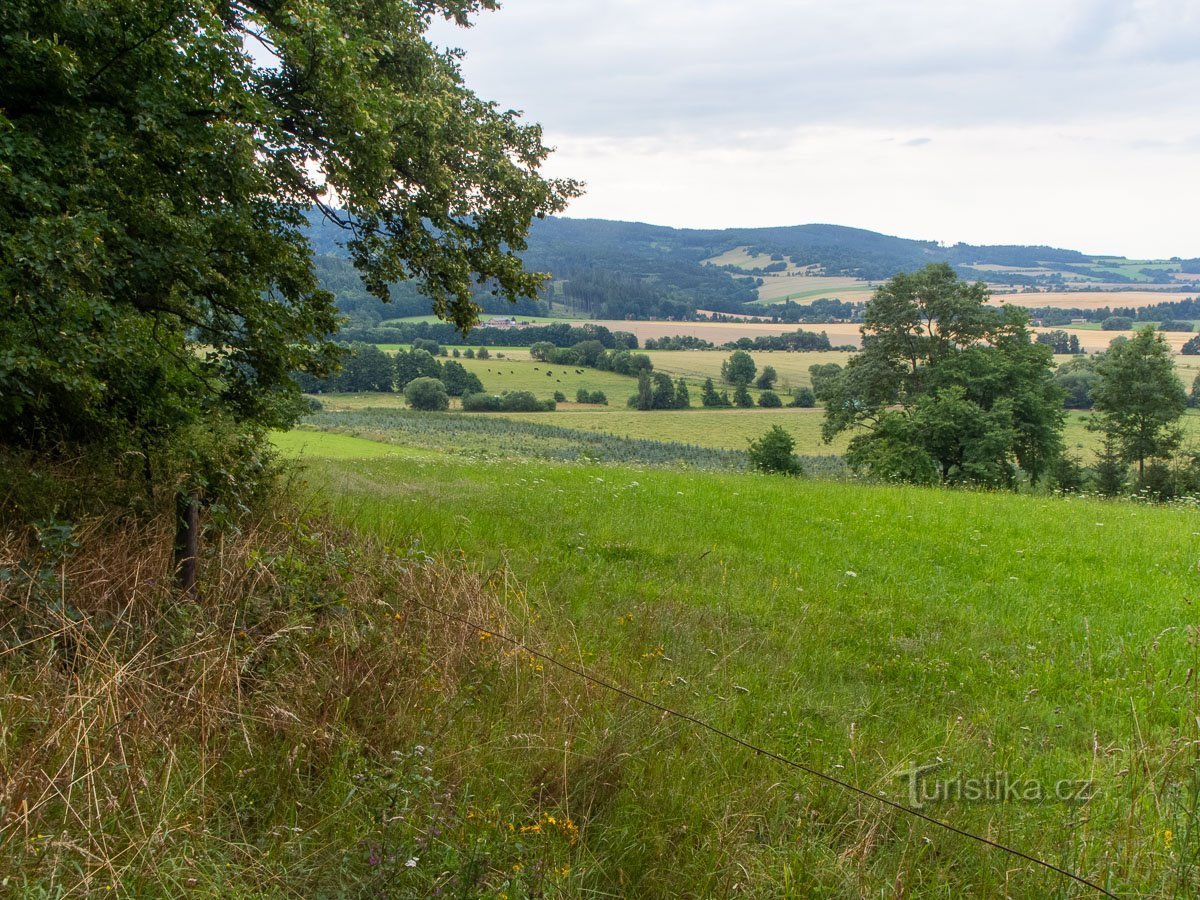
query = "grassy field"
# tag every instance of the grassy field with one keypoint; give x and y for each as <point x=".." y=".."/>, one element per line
<point x="861" y="630"/>
<point x="431" y="319"/>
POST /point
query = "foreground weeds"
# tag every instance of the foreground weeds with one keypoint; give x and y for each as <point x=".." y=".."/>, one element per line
<point x="281" y="736"/>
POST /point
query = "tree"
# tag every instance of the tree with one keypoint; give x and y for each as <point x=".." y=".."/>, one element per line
<point x="427" y="394"/>
<point x="1191" y="347"/>
<point x="482" y="353"/>
<point x="541" y="350"/>
<point x="772" y="452"/>
<point x="1138" y="398"/>
<point x="155" y="268"/>
<point x="458" y="380"/>
<point x="803" y="397"/>
<point x="1077" y="377"/>
<point x="768" y="377"/>
<point x="366" y="368"/>
<point x="741" y="396"/>
<point x="945" y="387"/>
<point x="769" y="400"/>
<point x="662" y="392"/>
<point x="823" y="376"/>
<point x="683" y="399"/>
<point x="710" y="397"/>
<point x="739" y="367"/>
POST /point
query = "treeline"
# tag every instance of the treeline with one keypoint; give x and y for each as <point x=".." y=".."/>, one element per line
<point x="365" y="367"/>
<point x="818" y="311"/>
<point x="792" y="340"/>
<point x="1166" y="311"/>
<point x="593" y="355"/>
<point x="560" y="335"/>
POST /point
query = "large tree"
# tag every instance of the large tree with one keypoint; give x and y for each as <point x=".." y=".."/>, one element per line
<point x="946" y="387"/>
<point x="159" y="162"/>
<point x="1139" y="398"/>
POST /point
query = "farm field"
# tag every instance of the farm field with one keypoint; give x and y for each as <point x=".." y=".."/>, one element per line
<point x="861" y="630"/>
<point x="723" y="332"/>
<point x="432" y="319"/>
<point x="1093" y="299"/>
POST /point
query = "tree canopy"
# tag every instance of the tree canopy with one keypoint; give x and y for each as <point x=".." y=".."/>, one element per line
<point x="157" y="178"/>
<point x="1138" y="398"/>
<point x="945" y="388"/>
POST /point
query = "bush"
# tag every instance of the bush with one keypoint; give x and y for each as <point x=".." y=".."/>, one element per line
<point x="741" y="396"/>
<point x="481" y="403"/>
<point x="1116" y="323"/>
<point x="585" y="396"/>
<point x="432" y="347"/>
<point x="560" y="397"/>
<point x="525" y="401"/>
<point x="1191" y="347"/>
<point x="773" y="452"/>
<point x="1172" y="325"/>
<point x="769" y="400"/>
<point x="804" y="397"/>
<point x="469" y="353"/>
<point x="427" y="394"/>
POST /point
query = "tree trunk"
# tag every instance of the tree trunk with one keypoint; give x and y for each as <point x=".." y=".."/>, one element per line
<point x="187" y="540"/>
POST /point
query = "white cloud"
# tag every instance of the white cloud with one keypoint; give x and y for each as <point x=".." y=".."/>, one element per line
<point x="1057" y="121"/>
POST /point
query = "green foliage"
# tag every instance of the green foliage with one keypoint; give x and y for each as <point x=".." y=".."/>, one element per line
<point x="1138" y="398"/>
<point x="769" y="400"/>
<point x="1116" y="323"/>
<point x="767" y="378"/>
<point x="683" y="398"/>
<point x="773" y="452"/>
<point x="823" y="376"/>
<point x="426" y="394"/>
<point x="458" y="380"/>
<point x="710" y="397"/>
<point x="741" y="396"/>
<point x="583" y="395"/>
<point x="739" y="368"/>
<point x="154" y="191"/>
<point x="1077" y="378"/>
<point x="803" y="397"/>
<point x="946" y="386"/>
<point x="1060" y="341"/>
<point x="1191" y="347"/>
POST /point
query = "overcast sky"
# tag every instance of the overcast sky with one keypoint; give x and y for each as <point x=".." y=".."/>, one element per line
<point x="1074" y="123"/>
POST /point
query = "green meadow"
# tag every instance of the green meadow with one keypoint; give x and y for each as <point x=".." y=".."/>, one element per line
<point x="859" y="629"/>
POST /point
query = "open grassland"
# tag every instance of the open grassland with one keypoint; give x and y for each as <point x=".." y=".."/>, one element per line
<point x="490" y="437"/>
<point x="861" y="630"/>
<point x="724" y="428"/>
<point x="804" y="288"/>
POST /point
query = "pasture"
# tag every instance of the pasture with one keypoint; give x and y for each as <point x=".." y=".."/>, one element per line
<point x="861" y="630"/>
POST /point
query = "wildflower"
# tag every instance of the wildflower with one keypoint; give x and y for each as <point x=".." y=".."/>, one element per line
<point x="564" y="871"/>
<point x="412" y="862"/>
<point x="1168" y="837"/>
<point x="850" y="574"/>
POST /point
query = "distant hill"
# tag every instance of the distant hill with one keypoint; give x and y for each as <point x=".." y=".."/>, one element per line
<point x="616" y="270"/>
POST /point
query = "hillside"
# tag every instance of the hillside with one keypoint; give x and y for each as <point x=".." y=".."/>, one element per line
<point x="616" y="270"/>
<point x="883" y="628"/>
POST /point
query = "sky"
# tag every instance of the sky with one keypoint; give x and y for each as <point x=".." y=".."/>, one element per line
<point x="1073" y="123"/>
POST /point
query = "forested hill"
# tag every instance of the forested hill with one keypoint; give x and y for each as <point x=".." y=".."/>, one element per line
<point x="614" y="270"/>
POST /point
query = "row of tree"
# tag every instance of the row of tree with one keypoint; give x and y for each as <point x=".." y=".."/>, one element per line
<point x="365" y="367"/>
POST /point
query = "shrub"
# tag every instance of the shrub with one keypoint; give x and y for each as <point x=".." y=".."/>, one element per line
<point x="773" y="452"/>
<point x="427" y="394"/>
<point x="1191" y="347"/>
<point x="482" y="353"/>
<point x="481" y="403"/>
<point x="1116" y="323"/>
<point x="769" y="400"/>
<point x="804" y="397"/>
<point x="560" y="397"/>
<point x="741" y="396"/>
<point x="469" y="353"/>
<point x="525" y="401"/>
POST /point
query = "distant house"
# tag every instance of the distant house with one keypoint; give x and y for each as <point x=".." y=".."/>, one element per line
<point x="502" y="322"/>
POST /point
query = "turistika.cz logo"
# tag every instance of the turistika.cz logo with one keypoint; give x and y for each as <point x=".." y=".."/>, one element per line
<point x="995" y="787"/>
